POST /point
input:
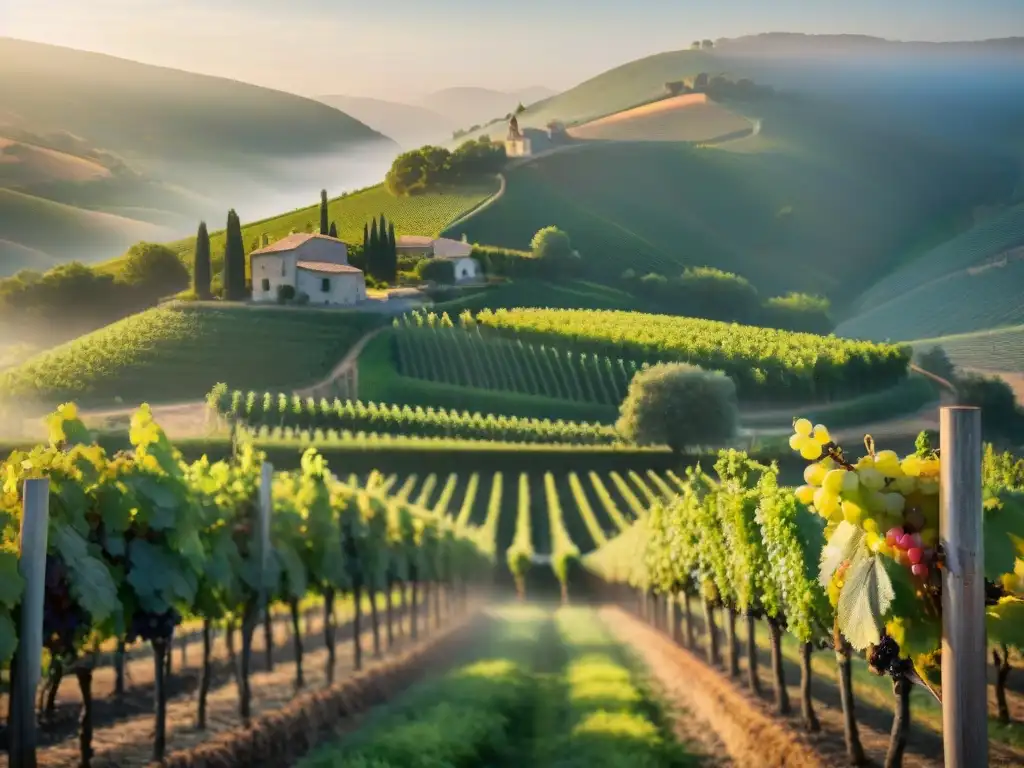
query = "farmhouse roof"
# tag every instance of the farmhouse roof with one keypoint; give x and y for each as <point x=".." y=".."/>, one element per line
<point x="328" y="268"/>
<point x="445" y="248"/>
<point x="414" y="241"/>
<point x="293" y="241"/>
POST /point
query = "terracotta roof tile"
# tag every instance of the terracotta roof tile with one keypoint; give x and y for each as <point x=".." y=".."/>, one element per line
<point x="328" y="267"/>
<point x="291" y="242"/>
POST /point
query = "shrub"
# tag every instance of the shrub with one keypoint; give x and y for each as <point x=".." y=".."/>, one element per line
<point x="936" y="362"/>
<point x="155" y="269"/>
<point x="1000" y="414"/>
<point x="441" y="271"/>
<point x="551" y="243"/>
<point x="798" y="312"/>
<point x="285" y="293"/>
<point x="679" y="405"/>
<point x="301" y="298"/>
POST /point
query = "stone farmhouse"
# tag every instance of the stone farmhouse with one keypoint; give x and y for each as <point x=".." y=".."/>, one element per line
<point x="458" y="252"/>
<point x="312" y="264"/>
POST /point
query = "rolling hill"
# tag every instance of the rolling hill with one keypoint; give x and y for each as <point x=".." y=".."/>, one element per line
<point x="825" y="198"/>
<point x="999" y="350"/>
<point x="969" y="283"/>
<point x="176" y="353"/>
<point x="426" y="214"/>
<point x="153" y="145"/>
<point x="691" y="117"/>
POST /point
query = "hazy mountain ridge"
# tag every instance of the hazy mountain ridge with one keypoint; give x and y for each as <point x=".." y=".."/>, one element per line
<point x="175" y="146"/>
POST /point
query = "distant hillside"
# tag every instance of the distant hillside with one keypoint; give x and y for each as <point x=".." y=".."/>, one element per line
<point x="157" y="146"/>
<point x="51" y="228"/>
<point x="970" y="283"/>
<point x="409" y="125"/>
<point x="797" y="44"/>
<point x="820" y="201"/>
<point x="468" y="106"/>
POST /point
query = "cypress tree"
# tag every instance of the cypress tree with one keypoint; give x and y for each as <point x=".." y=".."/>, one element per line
<point x="392" y="253"/>
<point x="324" y="223"/>
<point x="201" y="264"/>
<point x="373" y="253"/>
<point x="333" y="232"/>
<point x="234" y="259"/>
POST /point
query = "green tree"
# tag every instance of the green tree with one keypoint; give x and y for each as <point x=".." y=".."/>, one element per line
<point x="333" y="231"/>
<point x="325" y="226"/>
<point x="554" y="252"/>
<point x="679" y="405"/>
<point x="392" y="262"/>
<point x="520" y="109"/>
<point x="707" y="44"/>
<point x="234" y="259"/>
<point x="695" y="45"/>
<point x="155" y="269"/>
<point x="373" y="265"/>
<point x="201" y="271"/>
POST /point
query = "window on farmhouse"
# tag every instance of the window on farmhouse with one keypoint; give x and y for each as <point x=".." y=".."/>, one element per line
<point x="266" y="284"/>
<point x="325" y="285"/>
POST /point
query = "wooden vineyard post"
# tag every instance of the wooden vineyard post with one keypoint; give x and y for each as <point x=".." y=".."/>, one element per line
<point x="964" y="694"/>
<point x="35" y="520"/>
<point x="263" y="531"/>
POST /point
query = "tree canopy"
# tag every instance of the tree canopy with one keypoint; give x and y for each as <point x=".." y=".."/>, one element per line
<point x="430" y="168"/>
<point x="679" y="405"/>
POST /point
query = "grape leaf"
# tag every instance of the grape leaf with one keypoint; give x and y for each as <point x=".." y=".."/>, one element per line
<point x="845" y="543"/>
<point x="8" y="636"/>
<point x="866" y="597"/>
<point x="11" y="583"/>
<point x="159" y="514"/>
<point x="1002" y="525"/>
<point x="293" y="570"/>
<point x="1005" y="623"/>
<point x="92" y="585"/>
<point x="158" y="578"/>
<point x="918" y="636"/>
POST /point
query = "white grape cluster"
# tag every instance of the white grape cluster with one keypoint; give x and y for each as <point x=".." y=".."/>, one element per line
<point x="895" y="501"/>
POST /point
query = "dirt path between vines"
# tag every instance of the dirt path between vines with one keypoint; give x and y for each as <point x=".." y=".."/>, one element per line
<point x="123" y="737"/>
<point x="747" y="724"/>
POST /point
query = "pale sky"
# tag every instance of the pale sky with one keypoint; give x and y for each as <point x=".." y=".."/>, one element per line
<point x="400" y="49"/>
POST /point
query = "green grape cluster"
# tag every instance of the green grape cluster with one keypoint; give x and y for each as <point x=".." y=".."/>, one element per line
<point x="894" y="501"/>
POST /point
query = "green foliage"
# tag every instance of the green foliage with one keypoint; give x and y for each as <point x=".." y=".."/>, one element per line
<point x="680" y="406"/>
<point x="999" y="349"/>
<point x="235" y="266"/>
<point x="177" y="351"/>
<point x="155" y="269"/>
<point x="433" y="348"/>
<point x="201" y="265"/>
<point x="791" y="535"/>
<point x="281" y="409"/>
<point x="519" y="555"/>
<point x="936" y="361"/>
<point x="431" y="168"/>
<point x="438" y="270"/>
<point x="764" y="363"/>
<point x="1001" y="415"/>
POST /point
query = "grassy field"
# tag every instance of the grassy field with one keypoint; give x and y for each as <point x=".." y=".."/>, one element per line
<point x="1001" y="349"/>
<point x="687" y="122"/>
<point x="419" y="215"/>
<point x="179" y="352"/>
<point x="825" y="202"/>
<point x="541" y="687"/>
